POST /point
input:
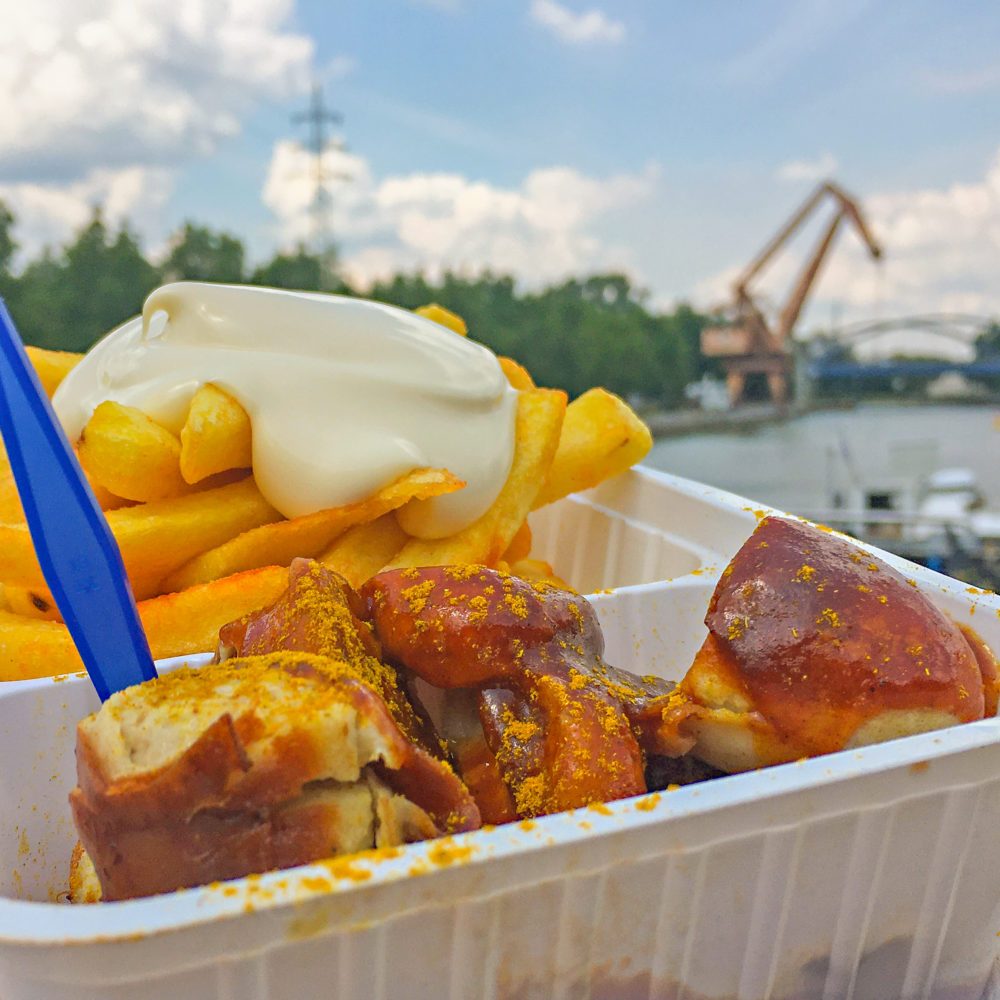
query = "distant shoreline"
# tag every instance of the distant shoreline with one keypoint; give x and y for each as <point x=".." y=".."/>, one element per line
<point x="675" y="423"/>
<point x="680" y="423"/>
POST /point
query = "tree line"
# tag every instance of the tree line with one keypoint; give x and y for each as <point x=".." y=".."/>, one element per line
<point x="583" y="332"/>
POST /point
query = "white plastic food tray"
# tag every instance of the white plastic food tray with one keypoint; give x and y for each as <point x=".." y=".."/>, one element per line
<point x="870" y="874"/>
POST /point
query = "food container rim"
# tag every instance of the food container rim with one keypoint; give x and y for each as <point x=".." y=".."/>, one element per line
<point x="29" y="922"/>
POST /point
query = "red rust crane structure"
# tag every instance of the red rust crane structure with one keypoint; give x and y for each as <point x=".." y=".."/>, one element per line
<point x="746" y="342"/>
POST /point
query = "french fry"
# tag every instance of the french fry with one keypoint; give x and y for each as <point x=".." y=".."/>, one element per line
<point x="539" y="419"/>
<point x="131" y="455"/>
<point x="154" y="538"/>
<point x="11" y="511"/>
<point x="32" y="648"/>
<point x="175" y="624"/>
<point x="601" y="437"/>
<point x="106" y="500"/>
<point x="184" y="524"/>
<point x="278" y="544"/>
<point x="189" y="622"/>
<point x="520" y="545"/>
<point x="216" y="437"/>
<point x="51" y="366"/>
<point x="539" y="571"/>
<point x="31" y="603"/>
<point x="10" y="501"/>
<point x="517" y="375"/>
<point x="363" y="550"/>
<point x="443" y="316"/>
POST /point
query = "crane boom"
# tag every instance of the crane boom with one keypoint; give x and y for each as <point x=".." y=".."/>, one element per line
<point x="781" y="237"/>
<point x="789" y="315"/>
<point x="847" y="205"/>
<point x="848" y="209"/>
<point x="749" y="345"/>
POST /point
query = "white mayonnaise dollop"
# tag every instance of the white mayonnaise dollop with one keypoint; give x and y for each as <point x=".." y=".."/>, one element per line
<point x="345" y="395"/>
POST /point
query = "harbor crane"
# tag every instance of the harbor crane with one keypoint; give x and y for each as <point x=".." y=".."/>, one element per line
<point x="746" y="342"/>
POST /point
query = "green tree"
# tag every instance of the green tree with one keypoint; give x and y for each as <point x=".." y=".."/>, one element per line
<point x="987" y="344"/>
<point x="8" y="248"/>
<point x="8" y="245"/>
<point x="489" y="304"/>
<point x="37" y="301"/>
<point x="100" y="280"/>
<point x="610" y="292"/>
<point x="199" y="254"/>
<point x="301" y="270"/>
<point x="596" y="330"/>
<point x="408" y="291"/>
<point x="687" y="326"/>
<point x="106" y="280"/>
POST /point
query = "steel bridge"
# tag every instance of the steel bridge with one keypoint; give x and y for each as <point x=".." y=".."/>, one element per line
<point x="824" y="362"/>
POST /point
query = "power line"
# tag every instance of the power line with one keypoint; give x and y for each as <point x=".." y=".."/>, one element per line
<point x="317" y="116"/>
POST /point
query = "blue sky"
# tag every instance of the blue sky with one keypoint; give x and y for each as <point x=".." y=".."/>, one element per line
<point x="544" y="137"/>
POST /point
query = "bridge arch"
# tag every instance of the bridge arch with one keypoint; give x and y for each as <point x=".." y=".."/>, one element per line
<point x="828" y="362"/>
<point x="963" y="328"/>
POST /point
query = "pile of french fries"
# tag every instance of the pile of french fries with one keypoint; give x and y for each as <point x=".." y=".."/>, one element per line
<point x="202" y="546"/>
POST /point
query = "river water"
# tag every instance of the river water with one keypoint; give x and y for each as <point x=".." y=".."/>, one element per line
<point x="823" y="460"/>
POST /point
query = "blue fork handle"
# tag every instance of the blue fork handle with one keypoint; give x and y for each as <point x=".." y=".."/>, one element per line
<point x="76" y="550"/>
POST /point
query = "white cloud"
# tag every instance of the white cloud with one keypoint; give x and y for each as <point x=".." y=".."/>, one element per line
<point x="108" y="84"/>
<point x="46" y="213"/>
<point x="577" y="29"/>
<point x="942" y="255"/>
<point x="541" y="230"/>
<point x="102" y="100"/>
<point x="808" y="170"/>
<point x="290" y="187"/>
<point x="942" y="250"/>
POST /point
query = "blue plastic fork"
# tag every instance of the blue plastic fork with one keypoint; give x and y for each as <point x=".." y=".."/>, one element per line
<point x="76" y="550"/>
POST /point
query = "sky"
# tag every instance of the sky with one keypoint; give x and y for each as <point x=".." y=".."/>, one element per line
<point x="540" y="138"/>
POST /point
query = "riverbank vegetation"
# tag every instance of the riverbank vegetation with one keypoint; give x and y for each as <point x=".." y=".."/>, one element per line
<point x="592" y="331"/>
<point x="598" y="330"/>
